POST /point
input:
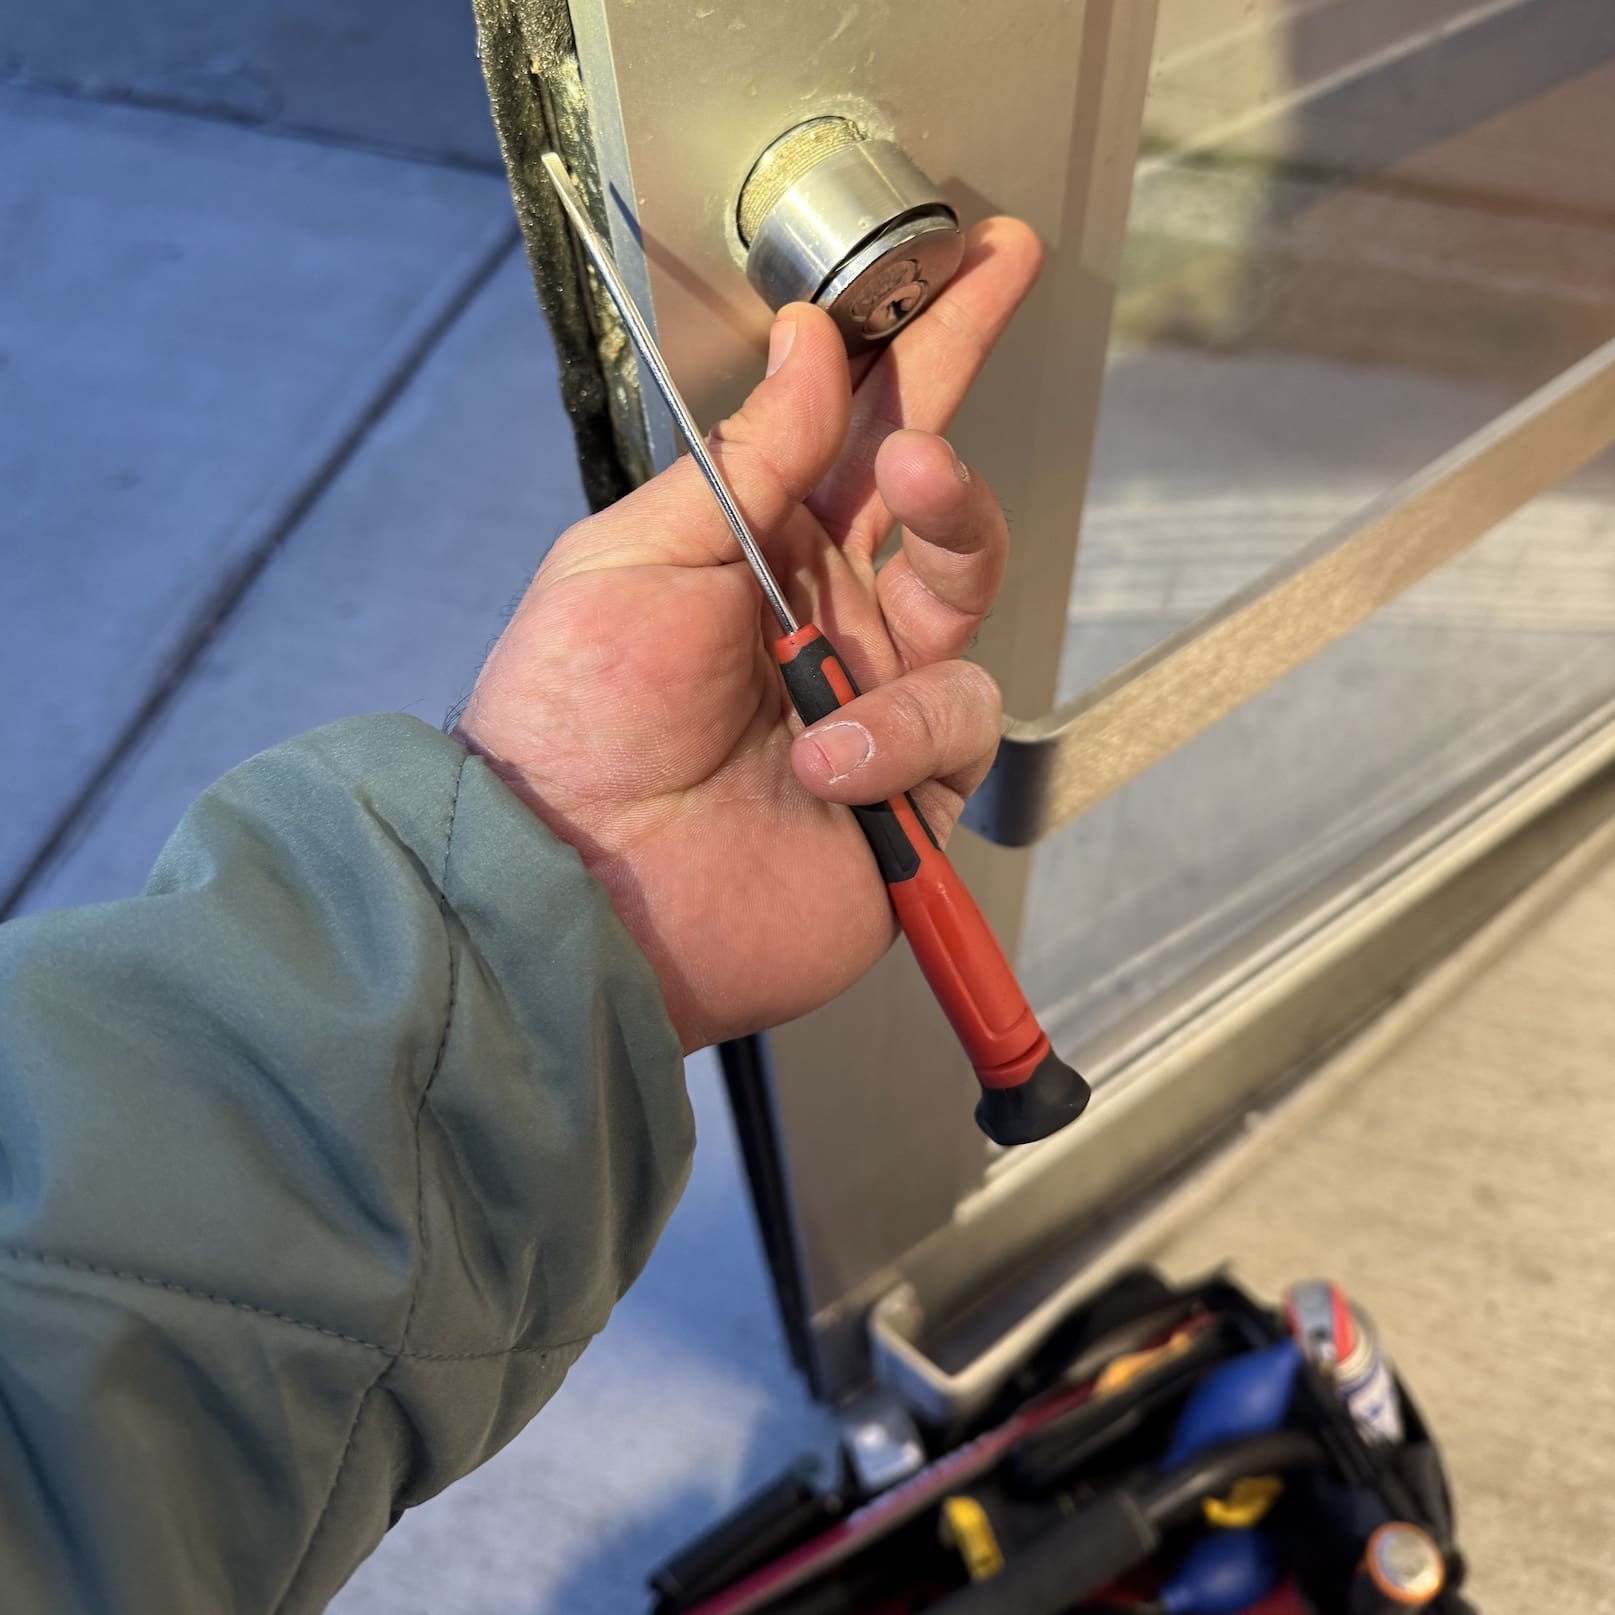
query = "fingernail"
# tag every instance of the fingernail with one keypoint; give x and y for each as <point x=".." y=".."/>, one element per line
<point x="844" y="747"/>
<point x="960" y="469"/>
<point x="780" y="339"/>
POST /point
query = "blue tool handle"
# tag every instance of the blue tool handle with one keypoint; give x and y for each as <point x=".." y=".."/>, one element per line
<point x="1222" y="1574"/>
<point x="1246" y="1396"/>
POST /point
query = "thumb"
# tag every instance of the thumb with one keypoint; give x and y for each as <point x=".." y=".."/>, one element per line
<point x="772" y="451"/>
<point x="938" y="722"/>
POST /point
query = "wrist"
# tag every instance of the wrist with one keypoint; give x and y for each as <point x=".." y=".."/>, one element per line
<point x="605" y="848"/>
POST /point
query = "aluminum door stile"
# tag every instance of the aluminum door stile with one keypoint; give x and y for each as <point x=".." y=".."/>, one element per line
<point x="680" y="102"/>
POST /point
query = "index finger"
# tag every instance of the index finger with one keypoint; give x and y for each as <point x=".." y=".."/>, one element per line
<point x="935" y="591"/>
<point x="922" y="376"/>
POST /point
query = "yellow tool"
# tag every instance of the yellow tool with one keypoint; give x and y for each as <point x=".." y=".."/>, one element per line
<point x="965" y="1526"/>
<point x="1245" y="1502"/>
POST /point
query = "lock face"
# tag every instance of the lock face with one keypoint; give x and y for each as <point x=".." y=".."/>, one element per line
<point x="830" y="217"/>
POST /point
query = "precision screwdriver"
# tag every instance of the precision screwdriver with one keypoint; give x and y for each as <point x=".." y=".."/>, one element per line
<point x="1027" y="1091"/>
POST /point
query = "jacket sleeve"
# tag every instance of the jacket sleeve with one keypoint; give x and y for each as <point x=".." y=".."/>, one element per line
<point x="320" y="1162"/>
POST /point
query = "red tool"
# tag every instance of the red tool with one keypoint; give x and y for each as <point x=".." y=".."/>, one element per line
<point x="1027" y="1091"/>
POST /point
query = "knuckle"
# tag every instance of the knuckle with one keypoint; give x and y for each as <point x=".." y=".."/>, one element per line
<point x="745" y="458"/>
<point x="950" y="711"/>
<point x="963" y="329"/>
<point x="574" y="537"/>
<point x="571" y="550"/>
<point x="733" y="431"/>
<point x="981" y="693"/>
<point x="915" y="710"/>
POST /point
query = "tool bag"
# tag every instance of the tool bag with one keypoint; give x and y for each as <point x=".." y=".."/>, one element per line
<point x="1168" y="1451"/>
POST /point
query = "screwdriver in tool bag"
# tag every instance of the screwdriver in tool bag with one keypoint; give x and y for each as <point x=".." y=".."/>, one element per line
<point x="1027" y="1091"/>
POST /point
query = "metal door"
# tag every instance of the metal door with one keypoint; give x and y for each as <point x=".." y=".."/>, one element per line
<point x="1360" y="303"/>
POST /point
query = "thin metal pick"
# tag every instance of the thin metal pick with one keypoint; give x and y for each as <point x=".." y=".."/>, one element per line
<point x="606" y="268"/>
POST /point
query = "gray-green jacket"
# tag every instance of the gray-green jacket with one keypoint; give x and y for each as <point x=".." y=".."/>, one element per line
<point x="320" y="1163"/>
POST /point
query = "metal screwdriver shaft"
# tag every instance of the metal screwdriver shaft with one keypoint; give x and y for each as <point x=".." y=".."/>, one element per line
<point x="650" y="356"/>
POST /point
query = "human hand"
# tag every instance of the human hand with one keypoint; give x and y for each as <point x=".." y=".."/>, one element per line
<point x="633" y="703"/>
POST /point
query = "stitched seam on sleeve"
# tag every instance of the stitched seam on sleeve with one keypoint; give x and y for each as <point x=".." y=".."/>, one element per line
<point x="420" y="1202"/>
<point x="336" y="1476"/>
<point x="393" y="1352"/>
<point x="437" y="1060"/>
<point x="123" y="1275"/>
<point x="71" y="1264"/>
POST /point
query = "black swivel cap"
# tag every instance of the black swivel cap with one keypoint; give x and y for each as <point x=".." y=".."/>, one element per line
<point x="1053" y="1096"/>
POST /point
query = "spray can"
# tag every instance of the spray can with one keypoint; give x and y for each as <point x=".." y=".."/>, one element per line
<point x="1339" y="1338"/>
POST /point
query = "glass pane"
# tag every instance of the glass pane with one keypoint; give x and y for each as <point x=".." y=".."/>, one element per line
<point x="1359" y="231"/>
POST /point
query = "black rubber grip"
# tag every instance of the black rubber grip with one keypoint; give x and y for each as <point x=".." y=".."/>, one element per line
<point x="1053" y="1096"/>
<point x="898" y="857"/>
<point x="814" y="697"/>
<point x="768" y="1524"/>
<point x="1174" y="1496"/>
<point x="810" y="691"/>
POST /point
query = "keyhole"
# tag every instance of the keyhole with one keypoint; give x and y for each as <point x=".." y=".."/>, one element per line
<point x="899" y="302"/>
<point x="896" y="310"/>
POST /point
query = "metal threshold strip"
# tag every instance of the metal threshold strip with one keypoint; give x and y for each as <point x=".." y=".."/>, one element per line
<point x="1052" y="768"/>
<point x="1169" y="1090"/>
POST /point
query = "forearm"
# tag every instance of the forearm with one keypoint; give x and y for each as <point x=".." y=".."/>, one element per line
<point x="322" y="1160"/>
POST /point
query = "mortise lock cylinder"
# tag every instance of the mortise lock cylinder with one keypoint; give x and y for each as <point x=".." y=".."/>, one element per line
<point x="830" y="217"/>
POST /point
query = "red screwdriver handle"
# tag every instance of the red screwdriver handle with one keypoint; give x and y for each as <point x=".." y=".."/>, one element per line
<point x="1027" y="1091"/>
